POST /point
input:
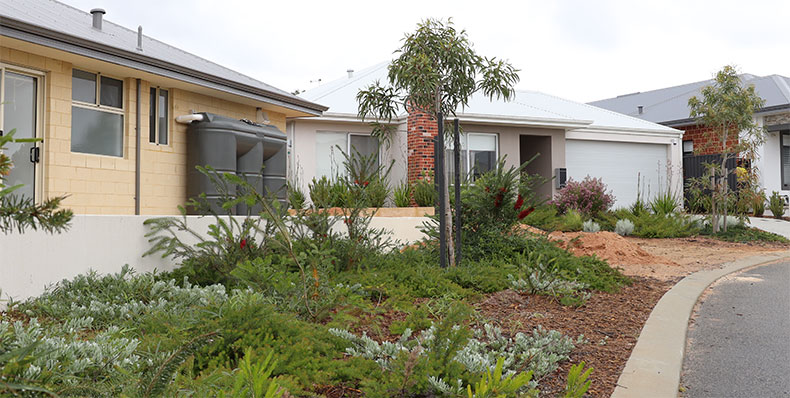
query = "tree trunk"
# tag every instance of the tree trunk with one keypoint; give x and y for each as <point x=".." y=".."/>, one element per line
<point x="725" y="191"/>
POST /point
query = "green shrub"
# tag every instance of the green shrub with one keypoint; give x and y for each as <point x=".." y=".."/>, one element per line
<point x="758" y="203"/>
<point x="744" y="234"/>
<point x="664" y="203"/>
<point x="320" y="192"/>
<point x="376" y="193"/>
<point x="664" y="226"/>
<point x="340" y="194"/>
<point x="544" y="217"/>
<point x="296" y="198"/>
<point x="776" y="204"/>
<point x="606" y="220"/>
<point x="571" y="221"/>
<point x="425" y="194"/>
<point x="402" y="194"/>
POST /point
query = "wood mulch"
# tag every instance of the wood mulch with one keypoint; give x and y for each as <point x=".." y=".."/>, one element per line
<point x="611" y="322"/>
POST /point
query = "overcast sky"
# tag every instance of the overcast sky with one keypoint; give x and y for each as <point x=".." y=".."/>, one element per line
<point x="580" y="50"/>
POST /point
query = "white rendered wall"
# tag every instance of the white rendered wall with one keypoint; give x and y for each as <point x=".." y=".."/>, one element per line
<point x="33" y="260"/>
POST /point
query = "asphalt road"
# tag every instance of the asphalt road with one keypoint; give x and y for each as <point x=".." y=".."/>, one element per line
<point x="739" y="340"/>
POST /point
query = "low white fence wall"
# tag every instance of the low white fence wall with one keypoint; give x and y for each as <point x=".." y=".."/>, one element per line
<point x="34" y="259"/>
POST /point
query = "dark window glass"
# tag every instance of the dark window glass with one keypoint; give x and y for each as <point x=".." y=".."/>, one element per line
<point x="111" y="92"/>
<point x="83" y="86"/>
<point x="97" y="132"/>
<point x="163" y="117"/>
<point x="785" y="159"/>
<point x="152" y="116"/>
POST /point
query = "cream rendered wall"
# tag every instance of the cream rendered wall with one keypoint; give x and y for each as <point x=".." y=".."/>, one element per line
<point x="98" y="184"/>
<point x="302" y="162"/>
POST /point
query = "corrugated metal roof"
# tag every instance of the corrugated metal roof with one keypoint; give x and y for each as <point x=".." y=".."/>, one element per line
<point x="67" y="20"/>
<point x="340" y="96"/>
<point x="669" y="105"/>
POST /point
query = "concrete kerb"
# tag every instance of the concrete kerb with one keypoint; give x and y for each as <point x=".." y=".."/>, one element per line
<point x="653" y="370"/>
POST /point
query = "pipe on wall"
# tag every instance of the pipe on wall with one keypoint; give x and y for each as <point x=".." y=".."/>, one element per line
<point x="137" y="153"/>
<point x="186" y="119"/>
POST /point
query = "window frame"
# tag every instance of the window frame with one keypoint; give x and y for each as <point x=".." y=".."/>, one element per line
<point x="97" y="106"/>
<point x="683" y="148"/>
<point x="781" y="158"/>
<point x="157" y="129"/>
<point x="468" y="155"/>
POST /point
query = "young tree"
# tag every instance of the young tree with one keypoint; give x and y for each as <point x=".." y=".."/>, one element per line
<point x="19" y="213"/>
<point x="727" y="109"/>
<point x="437" y="71"/>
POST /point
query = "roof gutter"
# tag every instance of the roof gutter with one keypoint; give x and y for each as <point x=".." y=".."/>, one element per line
<point x="763" y="112"/>
<point x="35" y="34"/>
<point x="465" y="118"/>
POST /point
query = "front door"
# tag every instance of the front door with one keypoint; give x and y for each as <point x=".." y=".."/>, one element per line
<point x="19" y="111"/>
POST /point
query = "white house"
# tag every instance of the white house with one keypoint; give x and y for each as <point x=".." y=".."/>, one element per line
<point x="583" y="139"/>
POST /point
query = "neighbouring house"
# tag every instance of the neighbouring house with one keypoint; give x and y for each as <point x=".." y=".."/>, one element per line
<point x="578" y="138"/>
<point x="104" y="99"/>
<point x="669" y="107"/>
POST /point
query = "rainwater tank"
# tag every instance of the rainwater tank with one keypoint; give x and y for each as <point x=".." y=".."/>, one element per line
<point x="255" y="152"/>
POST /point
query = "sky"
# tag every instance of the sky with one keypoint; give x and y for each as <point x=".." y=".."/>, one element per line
<point x="580" y="50"/>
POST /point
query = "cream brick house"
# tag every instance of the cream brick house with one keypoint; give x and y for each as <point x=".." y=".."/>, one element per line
<point x="104" y="99"/>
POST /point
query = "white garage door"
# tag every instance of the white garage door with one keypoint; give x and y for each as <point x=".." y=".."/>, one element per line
<point x="619" y="164"/>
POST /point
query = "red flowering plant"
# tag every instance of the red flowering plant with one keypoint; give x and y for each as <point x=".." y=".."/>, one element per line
<point x="589" y="197"/>
<point x="500" y="198"/>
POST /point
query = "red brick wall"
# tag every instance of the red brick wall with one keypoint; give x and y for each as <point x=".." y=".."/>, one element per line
<point x="421" y="130"/>
<point x="704" y="142"/>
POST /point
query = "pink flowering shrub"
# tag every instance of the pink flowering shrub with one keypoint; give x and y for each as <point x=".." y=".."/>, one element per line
<point x="589" y="197"/>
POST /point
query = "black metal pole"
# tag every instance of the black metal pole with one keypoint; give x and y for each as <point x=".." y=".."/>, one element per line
<point x="440" y="180"/>
<point x="457" y="168"/>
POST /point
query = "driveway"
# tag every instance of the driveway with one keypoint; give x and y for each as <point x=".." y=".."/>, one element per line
<point x="739" y="339"/>
<point x="780" y="227"/>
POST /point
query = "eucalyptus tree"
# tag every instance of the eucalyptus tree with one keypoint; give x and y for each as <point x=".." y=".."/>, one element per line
<point x="727" y="110"/>
<point x="436" y="71"/>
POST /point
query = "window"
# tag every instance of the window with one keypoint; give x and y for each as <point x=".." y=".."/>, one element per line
<point x="328" y="147"/>
<point x="157" y="117"/>
<point x="96" y="114"/>
<point x="688" y="147"/>
<point x="479" y="154"/>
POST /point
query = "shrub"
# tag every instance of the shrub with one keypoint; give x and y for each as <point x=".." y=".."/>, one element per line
<point x="544" y="217"/>
<point x="425" y="194"/>
<point x="591" y="226"/>
<point x="402" y="194"/>
<point x="589" y="197"/>
<point x="376" y="193"/>
<point x="624" y="227"/>
<point x="664" y="203"/>
<point x="296" y="198"/>
<point x="664" y="226"/>
<point x="571" y="221"/>
<point x="320" y="192"/>
<point x="776" y="204"/>
<point x="758" y="203"/>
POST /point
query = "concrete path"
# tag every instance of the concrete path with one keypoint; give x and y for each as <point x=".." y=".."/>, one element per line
<point x="780" y="227"/>
<point x="739" y="341"/>
<point x="653" y="370"/>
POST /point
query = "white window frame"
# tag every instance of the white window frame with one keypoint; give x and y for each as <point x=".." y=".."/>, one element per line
<point x="103" y="108"/>
<point x="156" y="118"/>
<point x="38" y="174"/>
<point x="449" y="142"/>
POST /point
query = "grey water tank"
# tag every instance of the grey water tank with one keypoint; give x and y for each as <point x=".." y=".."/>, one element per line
<point x="255" y="152"/>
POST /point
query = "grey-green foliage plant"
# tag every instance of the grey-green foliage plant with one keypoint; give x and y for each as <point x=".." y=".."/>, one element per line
<point x="539" y="275"/>
<point x="776" y="204"/>
<point x="18" y="213"/>
<point x="436" y="72"/>
<point x="402" y="194"/>
<point x="727" y="109"/>
<point x="591" y="226"/>
<point x="624" y="227"/>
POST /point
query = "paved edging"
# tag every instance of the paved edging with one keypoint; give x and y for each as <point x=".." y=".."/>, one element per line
<point x="653" y="370"/>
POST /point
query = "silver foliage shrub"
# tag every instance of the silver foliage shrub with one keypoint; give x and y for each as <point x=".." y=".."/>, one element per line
<point x="624" y="227"/>
<point x="539" y="351"/>
<point x="591" y="226"/>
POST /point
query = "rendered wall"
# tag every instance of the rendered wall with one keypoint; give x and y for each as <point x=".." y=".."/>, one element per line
<point x="104" y="243"/>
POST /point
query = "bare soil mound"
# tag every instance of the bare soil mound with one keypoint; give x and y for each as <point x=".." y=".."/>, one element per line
<point x="607" y="245"/>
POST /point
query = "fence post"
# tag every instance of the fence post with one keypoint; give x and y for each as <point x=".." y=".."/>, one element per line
<point x="457" y="168"/>
<point x="440" y="182"/>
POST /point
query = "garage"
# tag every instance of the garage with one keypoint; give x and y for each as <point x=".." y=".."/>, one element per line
<point x="619" y="164"/>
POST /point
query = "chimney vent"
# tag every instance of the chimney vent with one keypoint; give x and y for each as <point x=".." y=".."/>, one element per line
<point x="139" y="38"/>
<point x="640" y="108"/>
<point x="97" y="17"/>
<point x="350" y="73"/>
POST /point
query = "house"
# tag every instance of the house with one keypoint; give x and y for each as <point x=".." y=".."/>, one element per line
<point x="579" y="138"/>
<point x="104" y="99"/>
<point x="669" y="107"/>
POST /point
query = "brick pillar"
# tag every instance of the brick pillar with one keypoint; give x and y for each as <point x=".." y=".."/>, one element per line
<point x="421" y="130"/>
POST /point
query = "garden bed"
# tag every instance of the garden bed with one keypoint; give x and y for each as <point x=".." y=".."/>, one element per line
<point x="378" y="212"/>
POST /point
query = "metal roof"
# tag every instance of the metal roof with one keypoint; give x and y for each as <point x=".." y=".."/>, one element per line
<point x="669" y="105"/>
<point x="528" y="106"/>
<point x="61" y="26"/>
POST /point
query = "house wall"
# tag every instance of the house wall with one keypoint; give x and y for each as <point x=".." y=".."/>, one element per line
<point x="769" y="155"/>
<point x="98" y="184"/>
<point x="704" y="142"/>
<point x="302" y="138"/>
